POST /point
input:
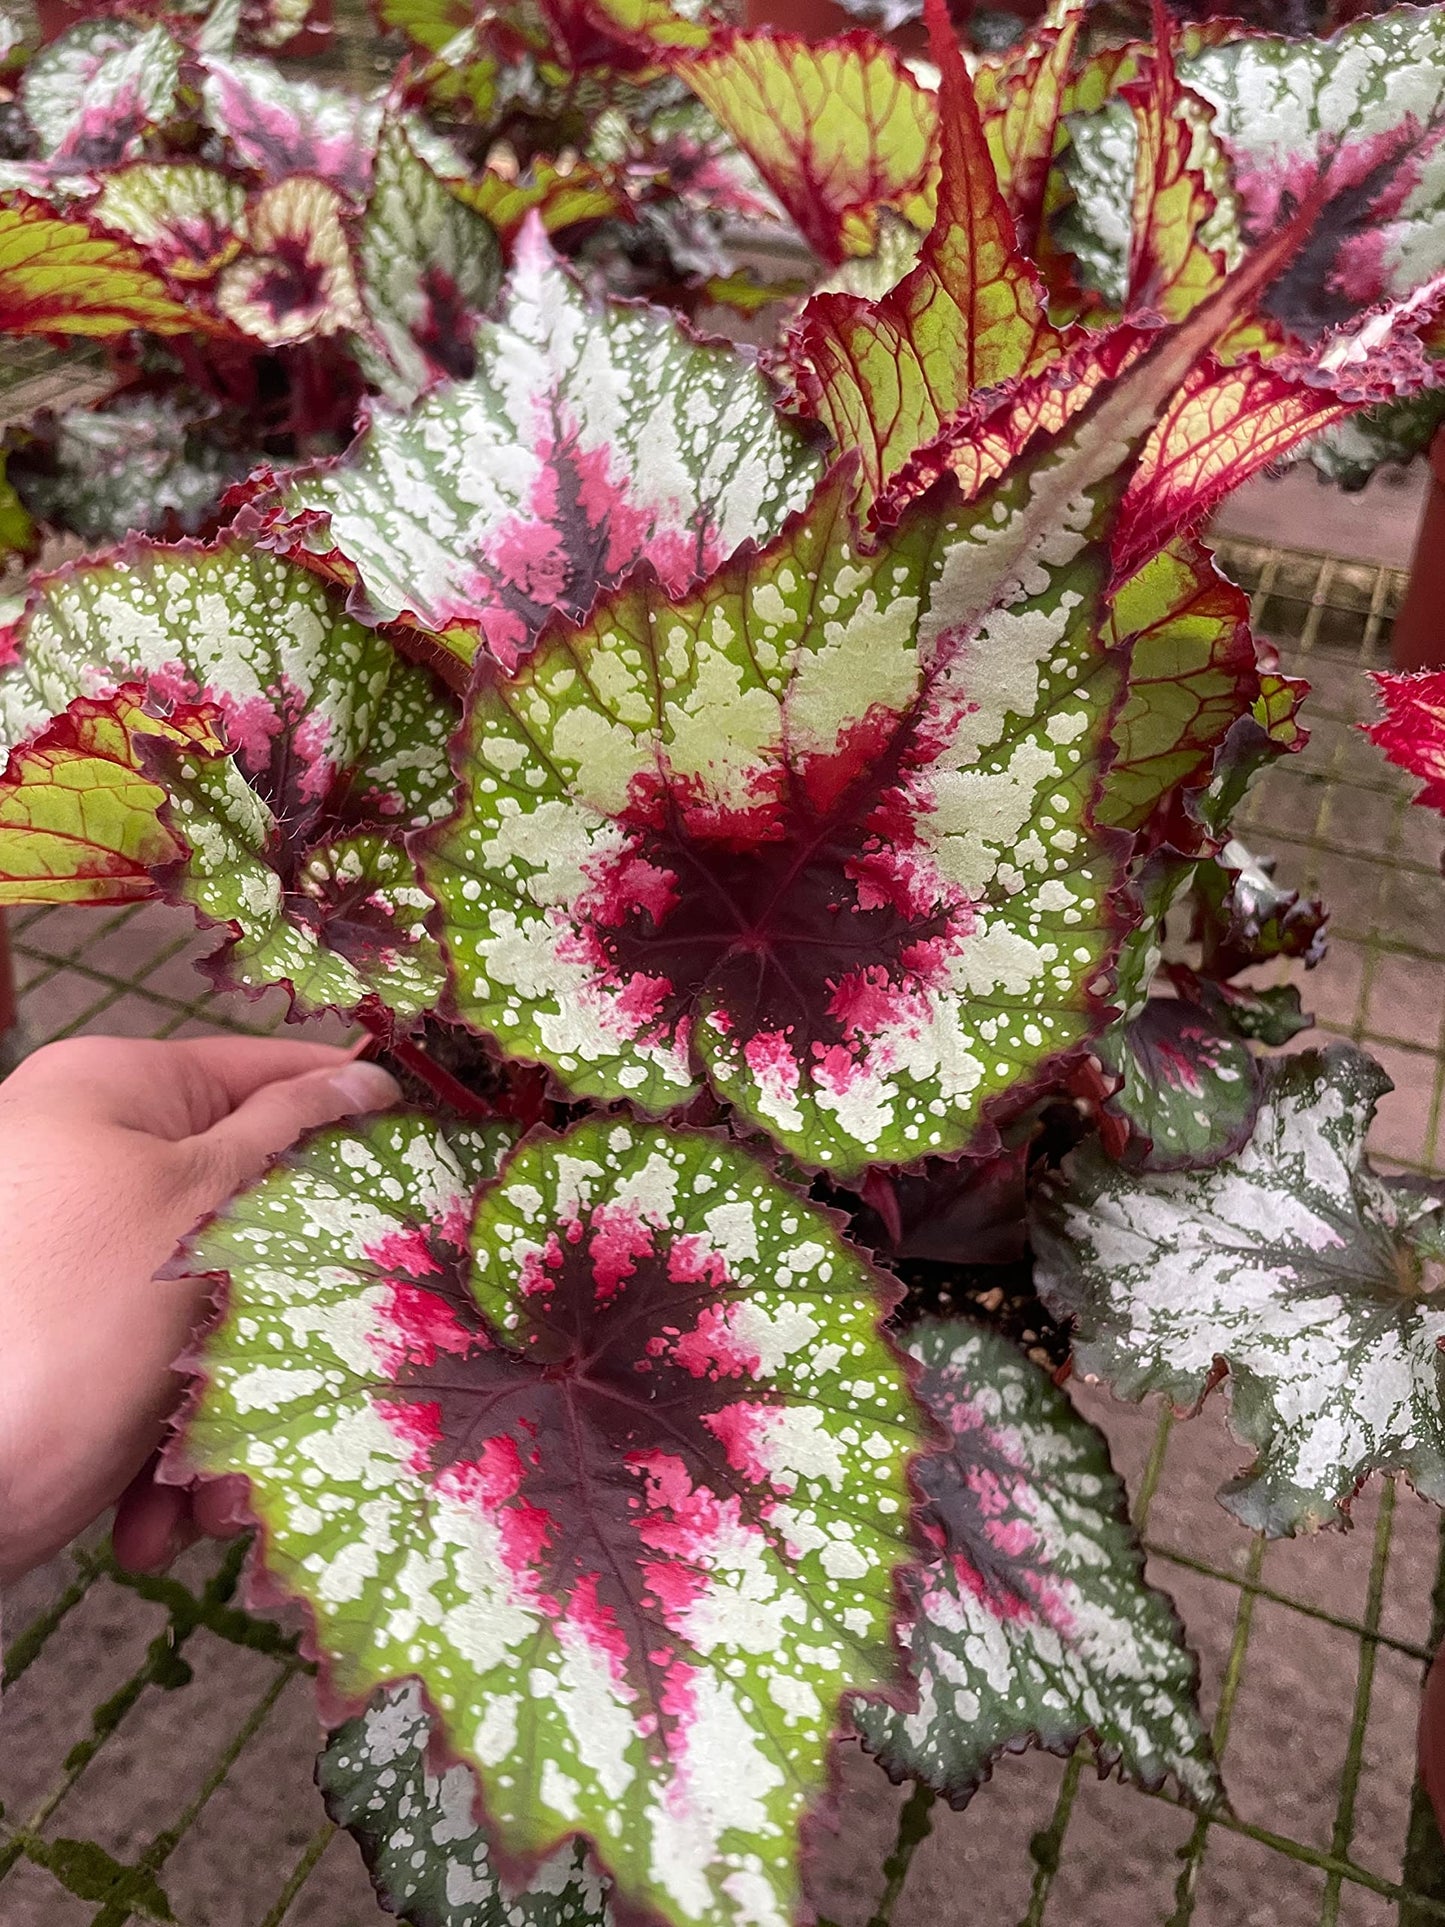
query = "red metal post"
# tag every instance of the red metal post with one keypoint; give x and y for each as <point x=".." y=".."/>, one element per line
<point x="7" y="982"/>
<point x="1419" y="635"/>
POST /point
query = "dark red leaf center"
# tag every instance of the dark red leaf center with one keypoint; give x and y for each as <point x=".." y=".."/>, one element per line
<point x="814" y="933"/>
<point x="610" y="1426"/>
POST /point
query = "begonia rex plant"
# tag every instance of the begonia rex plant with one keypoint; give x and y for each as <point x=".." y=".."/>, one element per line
<point x="781" y="833"/>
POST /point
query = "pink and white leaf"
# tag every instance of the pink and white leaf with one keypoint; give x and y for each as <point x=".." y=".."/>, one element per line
<point x="819" y="832"/>
<point x="591" y="438"/>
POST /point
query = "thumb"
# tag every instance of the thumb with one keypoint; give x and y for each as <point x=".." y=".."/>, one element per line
<point x="273" y="1117"/>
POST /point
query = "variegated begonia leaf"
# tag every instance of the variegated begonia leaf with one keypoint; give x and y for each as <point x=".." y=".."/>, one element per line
<point x="79" y="814"/>
<point x="1192" y="672"/>
<point x="338" y="747"/>
<point x="1412" y="730"/>
<point x="429" y="267"/>
<point x="1024" y="96"/>
<point x="615" y="1464"/>
<point x="1032" y="1622"/>
<point x="279" y="126"/>
<point x="1318" y="1286"/>
<point x="1366" y="108"/>
<point x="417" y="1829"/>
<point x="294" y="279"/>
<point x="1189" y="1090"/>
<point x="1243" y="917"/>
<point x="561" y="197"/>
<point x="140" y="461"/>
<point x="885" y="375"/>
<point x="838" y="129"/>
<point x="60" y="275"/>
<point x="819" y="831"/>
<point x="93" y="94"/>
<point x="590" y="439"/>
<point x="185" y="215"/>
<point x="1350" y="451"/>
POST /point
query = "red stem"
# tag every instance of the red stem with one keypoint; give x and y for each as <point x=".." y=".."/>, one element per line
<point x="440" y="1082"/>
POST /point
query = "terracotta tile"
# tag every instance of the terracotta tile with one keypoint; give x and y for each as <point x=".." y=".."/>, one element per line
<point x="1404" y="1124"/>
<point x="129" y="1016"/>
<point x="60" y="1003"/>
<point x="1406" y="1001"/>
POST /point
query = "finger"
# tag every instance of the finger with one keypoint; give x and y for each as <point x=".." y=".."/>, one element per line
<point x="236" y="1150"/>
<point x="235" y="1068"/>
<point x="169" y="1090"/>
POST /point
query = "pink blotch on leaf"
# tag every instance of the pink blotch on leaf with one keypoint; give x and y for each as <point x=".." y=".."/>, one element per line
<point x="743" y="1431"/>
<point x="405" y="1251"/>
<point x="693" y="1260"/>
<point x="598" y="1625"/>
<point x="414" y="1425"/>
<point x="416" y="1325"/>
<point x="619" y="1238"/>
<point x="710" y="1350"/>
<point x="771" y="1059"/>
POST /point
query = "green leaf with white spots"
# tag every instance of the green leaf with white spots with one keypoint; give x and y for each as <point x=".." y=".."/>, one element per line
<point x="588" y="440"/>
<point x="819" y="832"/>
<point x="1366" y="109"/>
<point x="613" y="1459"/>
<point x="1189" y="1087"/>
<point x="339" y="747"/>
<point x="140" y="462"/>
<point x="429" y="268"/>
<point x="1318" y="1285"/>
<point x="426" y="1852"/>
<point x="1032" y="1621"/>
<point x="1351" y="451"/>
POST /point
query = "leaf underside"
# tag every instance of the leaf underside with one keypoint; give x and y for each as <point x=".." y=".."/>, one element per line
<point x="1318" y="1284"/>
<point x="616" y="1467"/>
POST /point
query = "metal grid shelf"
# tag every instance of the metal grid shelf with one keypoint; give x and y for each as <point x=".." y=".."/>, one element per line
<point x="105" y="1822"/>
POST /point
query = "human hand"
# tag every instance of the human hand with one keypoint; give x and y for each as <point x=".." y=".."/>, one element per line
<point x="110" y="1152"/>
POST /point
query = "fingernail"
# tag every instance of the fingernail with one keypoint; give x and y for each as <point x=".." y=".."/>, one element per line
<point x="365" y="1087"/>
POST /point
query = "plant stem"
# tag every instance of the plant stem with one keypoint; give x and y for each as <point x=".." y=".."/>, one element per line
<point x="439" y="1081"/>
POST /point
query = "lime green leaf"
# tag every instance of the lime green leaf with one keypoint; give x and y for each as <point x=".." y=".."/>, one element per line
<point x="838" y="129"/>
<point x="59" y="275"/>
<point x="80" y="820"/>
<point x="338" y="747"/>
